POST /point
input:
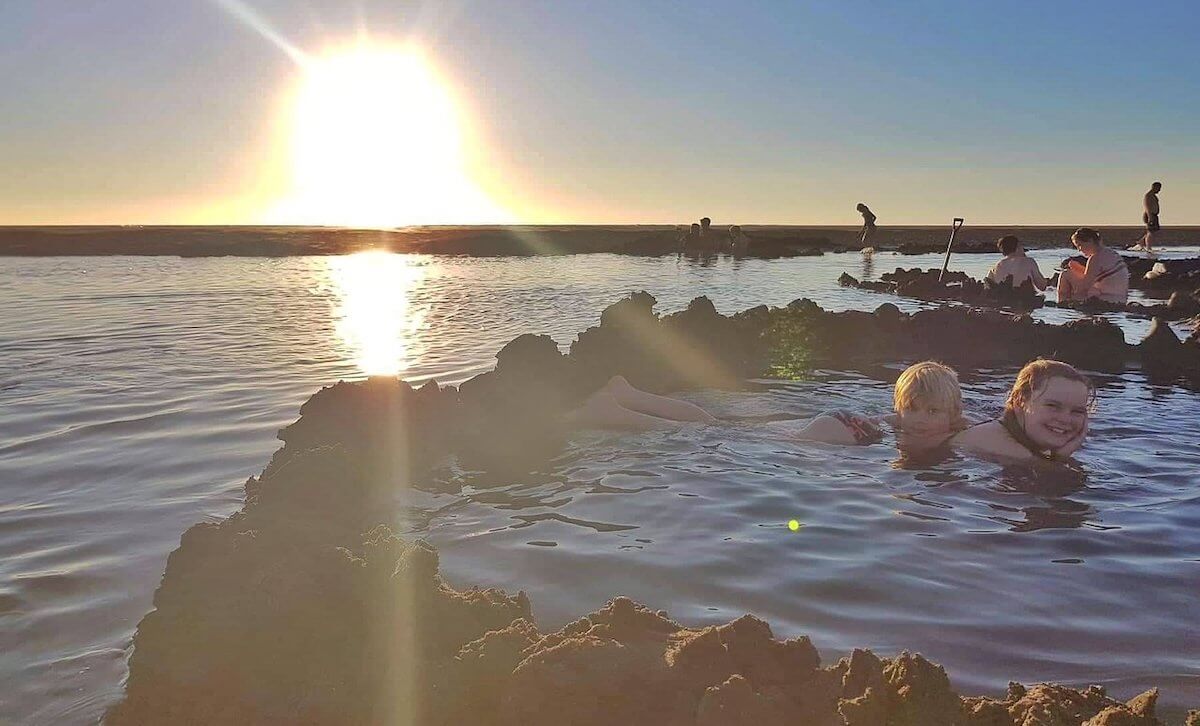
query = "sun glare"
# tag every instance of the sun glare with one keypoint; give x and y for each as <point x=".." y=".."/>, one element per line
<point x="377" y="318"/>
<point x="377" y="141"/>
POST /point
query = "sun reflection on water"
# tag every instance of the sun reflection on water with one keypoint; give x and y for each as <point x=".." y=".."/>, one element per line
<point x="377" y="318"/>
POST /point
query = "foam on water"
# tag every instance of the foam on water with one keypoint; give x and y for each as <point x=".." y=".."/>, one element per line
<point x="137" y="394"/>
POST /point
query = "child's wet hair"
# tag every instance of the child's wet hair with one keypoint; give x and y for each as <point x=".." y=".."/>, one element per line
<point x="928" y="382"/>
<point x="1036" y="374"/>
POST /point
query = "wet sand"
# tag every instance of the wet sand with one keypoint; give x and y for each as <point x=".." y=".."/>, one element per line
<point x="489" y="241"/>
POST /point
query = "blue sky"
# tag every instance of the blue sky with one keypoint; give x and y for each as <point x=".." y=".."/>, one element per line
<point x="756" y="112"/>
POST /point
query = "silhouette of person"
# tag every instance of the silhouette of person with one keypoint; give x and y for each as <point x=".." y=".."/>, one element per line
<point x="739" y="243"/>
<point x="1150" y="218"/>
<point x="705" y="223"/>
<point x="868" y="228"/>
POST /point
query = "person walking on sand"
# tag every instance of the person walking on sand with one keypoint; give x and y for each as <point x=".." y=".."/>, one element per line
<point x="1150" y="219"/>
<point x="868" y="228"/>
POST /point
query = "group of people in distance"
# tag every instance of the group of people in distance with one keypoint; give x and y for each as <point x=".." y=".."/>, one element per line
<point x="1150" y="212"/>
<point x="701" y="238"/>
<point x="1103" y="276"/>
<point x="1045" y="415"/>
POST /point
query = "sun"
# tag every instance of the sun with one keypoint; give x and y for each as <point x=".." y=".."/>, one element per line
<point x="377" y="140"/>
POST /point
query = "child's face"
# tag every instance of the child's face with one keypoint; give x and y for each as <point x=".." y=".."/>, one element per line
<point x="1056" y="413"/>
<point x="925" y="424"/>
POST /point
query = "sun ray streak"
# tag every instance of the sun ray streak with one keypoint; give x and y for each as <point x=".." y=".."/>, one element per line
<point x="249" y="17"/>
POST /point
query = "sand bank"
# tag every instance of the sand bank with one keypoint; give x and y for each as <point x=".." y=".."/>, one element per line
<point x="485" y="241"/>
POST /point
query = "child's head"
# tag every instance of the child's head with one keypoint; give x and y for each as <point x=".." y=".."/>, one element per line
<point x="928" y="402"/>
<point x="1051" y="401"/>
<point x="1008" y="244"/>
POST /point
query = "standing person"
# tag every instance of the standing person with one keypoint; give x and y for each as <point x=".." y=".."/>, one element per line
<point x="1015" y="265"/>
<point x="868" y="228"/>
<point x="1105" y="275"/>
<point x="1150" y="219"/>
<point x="739" y="243"/>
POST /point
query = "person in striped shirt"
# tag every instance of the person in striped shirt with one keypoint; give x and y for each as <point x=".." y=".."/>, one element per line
<point x="1105" y="275"/>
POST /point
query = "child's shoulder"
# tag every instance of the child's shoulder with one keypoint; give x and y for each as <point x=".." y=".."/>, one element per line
<point x="990" y="438"/>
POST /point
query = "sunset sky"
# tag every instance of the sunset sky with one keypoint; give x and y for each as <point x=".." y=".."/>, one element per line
<point x="388" y="113"/>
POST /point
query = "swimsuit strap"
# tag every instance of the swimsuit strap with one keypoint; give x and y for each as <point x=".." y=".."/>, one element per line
<point x="1015" y="430"/>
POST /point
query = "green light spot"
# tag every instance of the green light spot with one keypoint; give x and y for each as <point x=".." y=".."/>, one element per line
<point x="794" y="525"/>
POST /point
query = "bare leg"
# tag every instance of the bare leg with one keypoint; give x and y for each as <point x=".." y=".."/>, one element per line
<point x="1148" y="242"/>
<point x="648" y="403"/>
<point x="601" y="410"/>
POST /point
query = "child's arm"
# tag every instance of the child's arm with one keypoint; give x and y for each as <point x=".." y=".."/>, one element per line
<point x="1038" y="281"/>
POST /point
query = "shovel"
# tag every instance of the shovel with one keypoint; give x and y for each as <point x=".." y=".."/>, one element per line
<point x="958" y="223"/>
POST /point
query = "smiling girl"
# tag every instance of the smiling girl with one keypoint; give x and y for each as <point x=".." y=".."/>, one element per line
<point x="1045" y="416"/>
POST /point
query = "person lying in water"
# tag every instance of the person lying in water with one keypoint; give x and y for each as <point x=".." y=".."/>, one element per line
<point x="619" y="405"/>
<point x="1045" y="416"/>
<point x="928" y="413"/>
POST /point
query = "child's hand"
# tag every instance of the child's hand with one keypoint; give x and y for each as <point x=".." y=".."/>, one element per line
<point x="1065" y="451"/>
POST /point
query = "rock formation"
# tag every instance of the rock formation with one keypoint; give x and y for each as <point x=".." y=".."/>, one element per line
<point x="303" y="607"/>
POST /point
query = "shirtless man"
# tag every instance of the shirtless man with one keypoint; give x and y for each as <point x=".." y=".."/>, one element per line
<point x="1105" y="275"/>
<point x="1150" y="218"/>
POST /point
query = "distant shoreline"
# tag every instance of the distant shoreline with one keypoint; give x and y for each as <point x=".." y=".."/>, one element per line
<point x="516" y="240"/>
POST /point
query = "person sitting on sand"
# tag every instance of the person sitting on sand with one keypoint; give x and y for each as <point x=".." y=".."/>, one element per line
<point x="1015" y="265"/>
<point x="1105" y="276"/>
<point x="619" y="405"/>
<point x="868" y="228"/>
<point x="928" y="413"/>
<point x="1045" y="416"/>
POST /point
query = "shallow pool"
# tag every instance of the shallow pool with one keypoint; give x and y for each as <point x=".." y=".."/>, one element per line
<point x="137" y="394"/>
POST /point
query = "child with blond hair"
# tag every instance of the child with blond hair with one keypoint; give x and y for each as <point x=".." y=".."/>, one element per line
<point x="927" y="404"/>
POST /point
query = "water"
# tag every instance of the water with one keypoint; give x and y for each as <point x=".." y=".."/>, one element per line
<point x="137" y="394"/>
